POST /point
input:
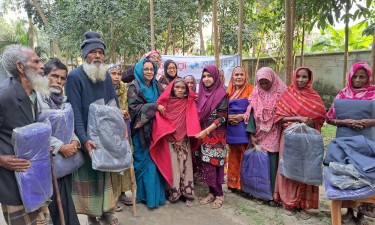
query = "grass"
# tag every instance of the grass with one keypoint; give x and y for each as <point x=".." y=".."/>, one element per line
<point x="329" y="133"/>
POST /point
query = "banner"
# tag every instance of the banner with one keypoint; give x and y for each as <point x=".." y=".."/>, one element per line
<point x="193" y="65"/>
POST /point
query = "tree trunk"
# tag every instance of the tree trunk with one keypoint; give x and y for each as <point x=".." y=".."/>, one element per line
<point x="373" y="58"/>
<point x="51" y="51"/>
<point x="240" y="21"/>
<point x="174" y="41"/>
<point x="168" y="36"/>
<point x="31" y="32"/>
<point x="303" y="42"/>
<point x="346" y="53"/>
<point x="258" y="57"/>
<point x="288" y="43"/>
<point x="152" y="24"/>
<point x="183" y="39"/>
<point x="279" y="56"/>
<point x="216" y="34"/>
<point x="66" y="54"/>
<point x="113" y="58"/>
<point x="203" y="50"/>
<point x="45" y="21"/>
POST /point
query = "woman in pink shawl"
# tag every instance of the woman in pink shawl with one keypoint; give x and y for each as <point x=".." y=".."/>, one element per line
<point x="260" y="115"/>
<point x="358" y="88"/>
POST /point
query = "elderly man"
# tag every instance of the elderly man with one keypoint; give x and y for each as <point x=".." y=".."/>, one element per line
<point x="17" y="109"/>
<point x="92" y="189"/>
<point x="56" y="72"/>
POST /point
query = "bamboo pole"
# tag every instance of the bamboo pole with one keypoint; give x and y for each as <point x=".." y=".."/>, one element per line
<point x="57" y="192"/>
<point x="240" y="25"/>
<point x="216" y="34"/>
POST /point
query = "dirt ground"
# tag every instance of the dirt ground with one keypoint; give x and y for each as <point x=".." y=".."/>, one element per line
<point x="236" y="210"/>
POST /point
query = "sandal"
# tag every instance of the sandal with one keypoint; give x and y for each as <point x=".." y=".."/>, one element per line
<point x="274" y="204"/>
<point x="110" y="219"/>
<point x="93" y="221"/>
<point x="362" y="222"/>
<point x="289" y="212"/>
<point x="219" y="200"/>
<point x="209" y="198"/>
<point x="189" y="203"/>
<point x="305" y="215"/>
<point x="259" y="201"/>
<point x="125" y="200"/>
<point x="118" y="208"/>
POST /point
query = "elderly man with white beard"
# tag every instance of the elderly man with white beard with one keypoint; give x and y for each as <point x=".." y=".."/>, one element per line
<point x="57" y="72"/>
<point x="92" y="189"/>
<point x="17" y="109"/>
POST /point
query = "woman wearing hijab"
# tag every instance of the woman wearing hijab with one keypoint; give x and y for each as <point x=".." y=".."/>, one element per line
<point x="171" y="146"/>
<point x="142" y="95"/>
<point x="358" y="88"/>
<point x="261" y="112"/>
<point x="170" y="73"/>
<point x="213" y="113"/>
<point x="237" y="138"/>
<point x="299" y="103"/>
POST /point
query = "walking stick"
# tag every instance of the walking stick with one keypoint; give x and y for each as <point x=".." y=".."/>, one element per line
<point x="133" y="190"/>
<point x="131" y="174"/>
<point x="57" y="192"/>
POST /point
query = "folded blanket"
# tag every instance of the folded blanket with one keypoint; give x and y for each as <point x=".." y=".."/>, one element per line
<point x="255" y="173"/>
<point x="334" y="193"/>
<point x="237" y="134"/>
<point x="355" y="109"/>
<point x="342" y="181"/>
<point x="356" y="150"/>
<point x="106" y="127"/>
<point x="31" y="142"/>
<point x="62" y="122"/>
<point x="302" y="155"/>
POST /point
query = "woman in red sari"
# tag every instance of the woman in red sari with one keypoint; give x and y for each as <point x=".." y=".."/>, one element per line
<point x="237" y="138"/>
<point x="299" y="103"/>
<point x="170" y="148"/>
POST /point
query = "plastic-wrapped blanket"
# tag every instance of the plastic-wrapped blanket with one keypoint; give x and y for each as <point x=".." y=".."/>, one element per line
<point x="255" y="173"/>
<point x="106" y="127"/>
<point x="237" y="134"/>
<point x="357" y="110"/>
<point x="62" y="122"/>
<point x="344" y="176"/>
<point x="31" y="142"/>
<point x="302" y="155"/>
<point x="335" y="193"/>
<point x="356" y="150"/>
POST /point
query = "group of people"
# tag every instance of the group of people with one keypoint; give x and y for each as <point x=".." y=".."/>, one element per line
<point x="178" y="136"/>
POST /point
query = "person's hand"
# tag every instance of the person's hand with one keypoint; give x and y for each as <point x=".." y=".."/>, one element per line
<point x="161" y="109"/>
<point x="367" y="123"/>
<point x="177" y="145"/>
<point x="235" y="119"/>
<point x="353" y="124"/>
<point x="252" y="141"/>
<point x="68" y="150"/>
<point x="164" y="86"/>
<point x="10" y="162"/>
<point x="125" y="114"/>
<point x="308" y="121"/>
<point x="201" y="134"/>
<point x="88" y="146"/>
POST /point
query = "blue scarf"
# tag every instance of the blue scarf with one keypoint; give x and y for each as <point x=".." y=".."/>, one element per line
<point x="150" y="92"/>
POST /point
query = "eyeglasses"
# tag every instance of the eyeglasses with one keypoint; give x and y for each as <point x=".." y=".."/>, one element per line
<point x="147" y="69"/>
<point x="155" y="58"/>
<point x="171" y="68"/>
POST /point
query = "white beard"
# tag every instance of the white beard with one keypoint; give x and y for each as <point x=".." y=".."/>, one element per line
<point x="94" y="72"/>
<point x="38" y="82"/>
<point x="54" y="90"/>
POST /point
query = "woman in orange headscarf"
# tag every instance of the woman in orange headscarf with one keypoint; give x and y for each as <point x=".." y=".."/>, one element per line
<point x="237" y="138"/>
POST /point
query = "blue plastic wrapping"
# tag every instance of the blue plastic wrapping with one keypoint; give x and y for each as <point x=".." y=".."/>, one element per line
<point x="334" y="193"/>
<point x="62" y="122"/>
<point x="106" y="127"/>
<point x="31" y="142"/>
<point x="357" y="110"/>
<point x="302" y="156"/>
<point x="255" y="173"/>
